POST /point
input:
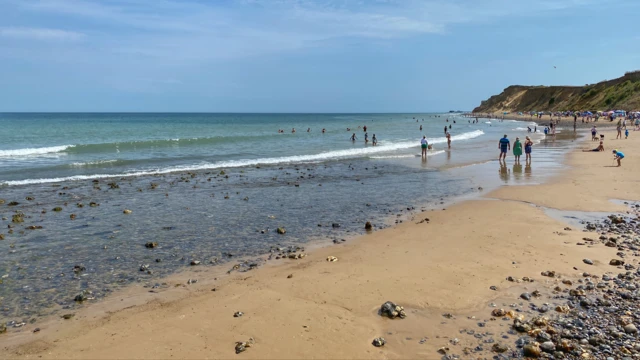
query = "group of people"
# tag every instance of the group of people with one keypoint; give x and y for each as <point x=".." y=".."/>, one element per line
<point x="505" y="145"/>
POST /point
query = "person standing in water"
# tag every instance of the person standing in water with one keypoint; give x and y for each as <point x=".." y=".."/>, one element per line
<point x="517" y="149"/>
<point x="504" y="145"/>
<point x="353" y="137"/>
<point x="445" y="130"/>
<point x="420" y="127"/>
<point x="449" y="140"/>
<point x="366" y="138"/>
<point x="527" y="149"/>
<point x="374" y="141"/>
<point x="424" y="145"/>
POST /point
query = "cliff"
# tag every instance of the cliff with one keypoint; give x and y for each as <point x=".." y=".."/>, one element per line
<point x="621" y="93"/>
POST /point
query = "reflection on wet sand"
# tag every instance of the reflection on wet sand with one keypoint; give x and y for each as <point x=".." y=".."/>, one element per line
<point x="516" y="170"/>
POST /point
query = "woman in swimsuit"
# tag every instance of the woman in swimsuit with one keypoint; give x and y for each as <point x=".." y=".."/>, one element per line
<point x="527" y="149"/>
<point x="598" y="149"/>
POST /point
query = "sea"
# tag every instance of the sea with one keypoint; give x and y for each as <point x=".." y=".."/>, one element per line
<point x="81" y="194"/>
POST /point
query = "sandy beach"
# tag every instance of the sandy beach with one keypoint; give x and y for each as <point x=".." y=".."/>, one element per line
<point x="440" y="267"/>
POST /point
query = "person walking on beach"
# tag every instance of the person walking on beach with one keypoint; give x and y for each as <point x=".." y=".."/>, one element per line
<point x="449" y="140"/>
<point x="594" y="131"/>
<point x="423" y="145"/>
<point x="504" y="145"/>
<point x="617" y="155"/>
<point x="527" y="149"/>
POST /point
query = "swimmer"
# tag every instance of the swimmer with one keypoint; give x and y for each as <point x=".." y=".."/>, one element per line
<point x="366" y="138"/>
<point x="364" y="128"/>
<point x="420" y="127"/>
<point x="374" y="140"/>
<point x="308" y="129"/>
<point x="323" y="130"/>
<point x="293" y="130"/>
<point x="353" y="137"/>
<point x="445" y="130"/>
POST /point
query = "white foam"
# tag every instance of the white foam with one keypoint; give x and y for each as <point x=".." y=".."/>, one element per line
<point x="429" y="153"/>
<point x="34" y="151"/>
<point x="329" y="155"/>
<point x="89" y="163"/>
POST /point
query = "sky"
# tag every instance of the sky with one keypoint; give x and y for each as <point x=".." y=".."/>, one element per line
<point x="302" y="55"/>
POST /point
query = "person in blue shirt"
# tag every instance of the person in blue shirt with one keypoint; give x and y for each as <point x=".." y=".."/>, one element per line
<point x="617" y="155"/>
<point x="626" y="133"/>
<point x="504" y="145"/>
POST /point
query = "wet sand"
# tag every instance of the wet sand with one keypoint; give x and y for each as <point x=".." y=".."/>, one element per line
<point x="313" y="308"/>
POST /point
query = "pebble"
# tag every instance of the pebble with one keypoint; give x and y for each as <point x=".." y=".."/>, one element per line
<point x="587" y="261"/>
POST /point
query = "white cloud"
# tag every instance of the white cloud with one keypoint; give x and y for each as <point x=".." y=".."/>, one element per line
<point x="40" y="34"/>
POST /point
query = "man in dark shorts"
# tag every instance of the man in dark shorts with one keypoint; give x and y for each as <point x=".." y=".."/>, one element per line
<point x="504" y="145"/>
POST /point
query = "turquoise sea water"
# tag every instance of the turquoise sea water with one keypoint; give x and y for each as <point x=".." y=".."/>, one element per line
<point x="214" y="187"/>
<point x="37" y="147"/>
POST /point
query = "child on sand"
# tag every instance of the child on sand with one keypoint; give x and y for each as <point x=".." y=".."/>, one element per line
<point x="617" y="155"/>
<point x="626" y="133"/>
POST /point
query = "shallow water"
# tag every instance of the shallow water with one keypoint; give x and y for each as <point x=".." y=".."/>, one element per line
<point x="216" y="216"/>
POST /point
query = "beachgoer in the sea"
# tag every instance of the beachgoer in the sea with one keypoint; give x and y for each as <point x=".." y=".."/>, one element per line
<point x="445" y="130"/>
<point x="364" y="128"/>
<point x="528" y="129"/>
<point x="449" y="140"/>
<point x="626" y="133"/>
<point x="366" y="138"/>
<point x="374" y="140"/>
<point x="504" y="144"/>
<point x="353" y="137"/>
<point x="594" y="131"/>
<point x="599" y="148"/>
<point x="424" y="145"/>
<point x="546" y="130"/>
<point x="308" y="129"/>
<point x="527" y="149"/>
<point x="293" y="130"/>
<point x="535" y="129"/>
<point x="449" y="126"/>
<point x="617" y="155"/>
<point x="517" y="149"/>
<point x="323" y="130"/>
<point x="420" y="127"/>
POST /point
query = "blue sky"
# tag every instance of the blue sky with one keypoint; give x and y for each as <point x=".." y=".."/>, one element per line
<point x="302" y="55"/>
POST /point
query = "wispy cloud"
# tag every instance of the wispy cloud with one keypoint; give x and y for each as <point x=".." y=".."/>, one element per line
<point x="40" y="34"/>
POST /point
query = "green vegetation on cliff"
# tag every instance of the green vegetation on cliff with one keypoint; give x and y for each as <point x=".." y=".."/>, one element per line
<point x="621" y="93"/>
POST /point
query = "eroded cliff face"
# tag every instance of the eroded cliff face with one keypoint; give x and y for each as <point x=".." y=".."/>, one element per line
<point x="621" y="93"/>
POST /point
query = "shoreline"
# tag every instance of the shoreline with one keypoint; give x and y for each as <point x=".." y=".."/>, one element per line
<point x="320" y="297"/>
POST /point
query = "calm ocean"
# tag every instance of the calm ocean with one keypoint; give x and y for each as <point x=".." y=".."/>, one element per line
<point x="214" y="187"/>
